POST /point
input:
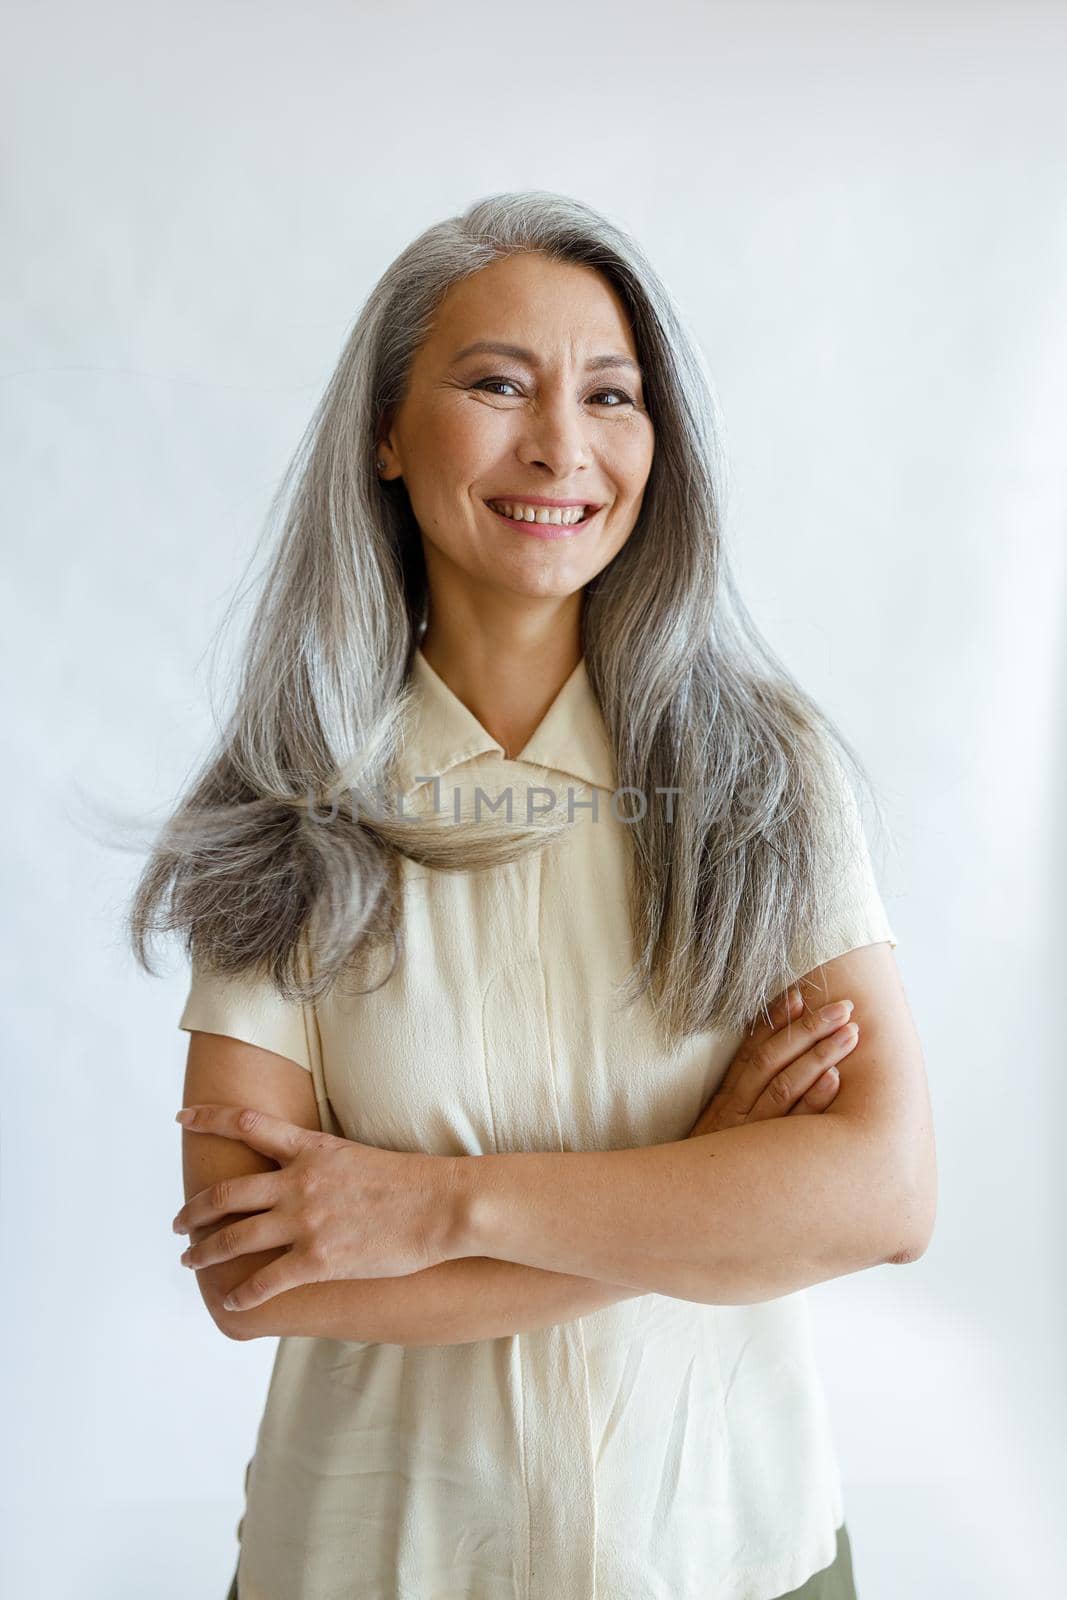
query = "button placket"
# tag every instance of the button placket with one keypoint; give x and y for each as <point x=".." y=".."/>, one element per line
<point x="520" y="1055"/>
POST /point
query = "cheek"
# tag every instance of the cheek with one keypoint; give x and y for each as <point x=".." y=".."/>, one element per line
<point x="630" y="460"/>
<point x="441" y="443"/>
<point x="468" y="437"/>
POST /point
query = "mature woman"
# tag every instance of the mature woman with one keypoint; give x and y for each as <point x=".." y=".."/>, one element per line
<point x="527" y="896"/>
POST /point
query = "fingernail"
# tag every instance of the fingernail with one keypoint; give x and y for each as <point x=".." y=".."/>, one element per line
<point x="836" y="1012"/>
<point x="184" y="1115"/>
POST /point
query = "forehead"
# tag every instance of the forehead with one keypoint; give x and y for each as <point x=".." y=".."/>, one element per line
<point x="532" y="300"/>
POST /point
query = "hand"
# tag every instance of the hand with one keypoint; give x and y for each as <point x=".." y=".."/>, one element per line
<point x="344" y="1210"/>
<point x="784" y="1068"/>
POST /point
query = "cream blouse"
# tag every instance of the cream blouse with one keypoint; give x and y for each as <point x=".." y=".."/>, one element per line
<point x="655" y="1448"/>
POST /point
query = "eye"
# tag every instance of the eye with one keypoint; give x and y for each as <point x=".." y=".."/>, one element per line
<point x="621" y="397"/>
<point x="482" y="382"/>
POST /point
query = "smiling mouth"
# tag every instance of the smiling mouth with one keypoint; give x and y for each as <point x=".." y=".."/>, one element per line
<point x="542" y="527"/>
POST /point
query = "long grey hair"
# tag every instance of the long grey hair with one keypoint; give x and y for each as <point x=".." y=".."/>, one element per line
<point x="724" y="885"/>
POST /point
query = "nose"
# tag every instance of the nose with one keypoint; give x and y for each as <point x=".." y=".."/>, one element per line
<point x="556" y="435"/>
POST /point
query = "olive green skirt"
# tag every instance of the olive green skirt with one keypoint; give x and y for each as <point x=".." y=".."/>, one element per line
<point x="834" y="1582"/>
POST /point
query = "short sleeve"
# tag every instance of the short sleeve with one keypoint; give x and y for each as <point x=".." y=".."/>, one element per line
<point x="248" y="1007"/>
<point x="853" y="913"/>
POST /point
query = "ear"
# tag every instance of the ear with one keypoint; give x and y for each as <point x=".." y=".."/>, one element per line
<point x="385" y="447"/>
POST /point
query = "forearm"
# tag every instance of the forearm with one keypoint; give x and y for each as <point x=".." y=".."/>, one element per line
<point x="726" y="1218"/>
<point x="454" y="1302"/>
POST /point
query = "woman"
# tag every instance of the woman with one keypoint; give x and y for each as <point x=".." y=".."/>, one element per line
<point x="515" y="892"/>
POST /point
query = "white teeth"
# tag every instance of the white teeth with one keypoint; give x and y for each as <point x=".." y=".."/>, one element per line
<point x="565" y="516"/>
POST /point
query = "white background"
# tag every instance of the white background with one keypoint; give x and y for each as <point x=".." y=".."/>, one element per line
<point x="860" y="210"/>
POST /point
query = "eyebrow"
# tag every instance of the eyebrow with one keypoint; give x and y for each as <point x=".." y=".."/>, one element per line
<point x="493" y="347"/>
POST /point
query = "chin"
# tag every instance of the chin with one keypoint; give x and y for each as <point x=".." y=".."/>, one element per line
<point x="545" y="591"/>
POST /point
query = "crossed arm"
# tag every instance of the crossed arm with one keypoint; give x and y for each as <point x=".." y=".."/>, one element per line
<point x="454" y="1302"/>
<point x="733" y="1217"/>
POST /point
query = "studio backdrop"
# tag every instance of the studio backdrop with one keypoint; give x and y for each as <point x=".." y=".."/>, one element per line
<point x="861" y="211"/>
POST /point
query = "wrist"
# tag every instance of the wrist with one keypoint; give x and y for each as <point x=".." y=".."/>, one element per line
<point x="462" y="1209"/>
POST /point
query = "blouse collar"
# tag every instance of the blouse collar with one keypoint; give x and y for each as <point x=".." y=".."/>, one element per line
<point x="442" y="732"/>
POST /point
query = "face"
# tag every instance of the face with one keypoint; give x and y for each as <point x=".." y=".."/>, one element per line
<point x="559" y="416"/>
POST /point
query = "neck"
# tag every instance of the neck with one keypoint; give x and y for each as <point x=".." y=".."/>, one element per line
<point x="507" y="670"/>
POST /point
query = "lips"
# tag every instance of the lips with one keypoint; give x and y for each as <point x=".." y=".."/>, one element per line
<point x="547" y="530"/>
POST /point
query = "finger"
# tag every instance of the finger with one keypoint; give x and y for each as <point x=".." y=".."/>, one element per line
<point x="819" y="1096"/>
<point x="287" y="1272"/>
<point x="776" y="1014"/>
<point x="272" y="1136"/>
<point x="787" y="1086"/>
<point x="268" y="1231"/>
<point x="759" y="1061"/>
<point x="251" y="1191"/>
